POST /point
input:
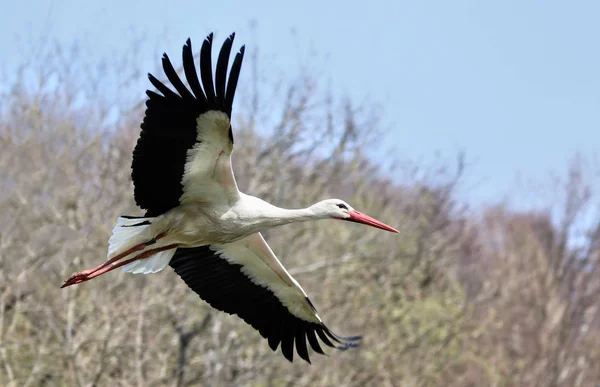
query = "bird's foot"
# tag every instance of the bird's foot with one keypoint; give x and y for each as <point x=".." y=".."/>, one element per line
<point x="78" y="278"/>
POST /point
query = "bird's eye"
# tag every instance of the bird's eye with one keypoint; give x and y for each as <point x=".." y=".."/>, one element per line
<point x="342" y="206"/>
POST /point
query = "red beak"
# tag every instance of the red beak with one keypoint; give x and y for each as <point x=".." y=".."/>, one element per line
<point x="359" y="217"/>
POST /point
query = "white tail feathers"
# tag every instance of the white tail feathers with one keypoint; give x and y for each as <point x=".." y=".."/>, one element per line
<point x="153" y="264"/>
<point x="128" y="233"/>
<point x="131" y="232"/>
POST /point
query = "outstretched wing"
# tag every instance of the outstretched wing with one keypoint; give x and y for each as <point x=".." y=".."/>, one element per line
<point x="245" y="278"/>
<point x="184" y="150"/>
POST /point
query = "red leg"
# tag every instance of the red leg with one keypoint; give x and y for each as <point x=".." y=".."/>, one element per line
<point x="102" y="268"/>
<point x="79" y="279"/>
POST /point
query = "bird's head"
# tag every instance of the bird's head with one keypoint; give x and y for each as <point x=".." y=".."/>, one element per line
<point x="339" y="209"/>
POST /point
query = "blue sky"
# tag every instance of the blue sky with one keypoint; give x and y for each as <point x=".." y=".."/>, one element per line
<point x="513" y="83"/>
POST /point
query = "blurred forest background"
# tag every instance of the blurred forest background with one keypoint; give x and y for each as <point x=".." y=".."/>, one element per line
<point x="461" y="297"/>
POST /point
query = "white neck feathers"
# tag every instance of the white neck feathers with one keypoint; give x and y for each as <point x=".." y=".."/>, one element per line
<point x="258" y="212"/>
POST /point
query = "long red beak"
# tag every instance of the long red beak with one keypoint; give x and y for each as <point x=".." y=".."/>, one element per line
<point x="359" y="217"/>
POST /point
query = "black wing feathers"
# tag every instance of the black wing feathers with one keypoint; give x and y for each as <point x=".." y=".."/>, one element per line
<point x="190" y="71"/>
<point x="233" y="79"/>
<point x="174" y="78"/>
<point x="225" y="287"/>
<point x="169" y="126"/>
<point x="206" y="70"/>
<point x="167" y="93"/>
<point x="287" y="346"/>
<point x="159" y="156"/>
<point x="314" y="343"/>
<point x="221" y="70"/>
<point x="301" y="343"/>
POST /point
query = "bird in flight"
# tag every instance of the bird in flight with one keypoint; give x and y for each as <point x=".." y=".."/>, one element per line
<point x="199" y="223"/>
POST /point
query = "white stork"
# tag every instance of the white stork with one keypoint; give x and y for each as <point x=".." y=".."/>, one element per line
<point x="198" y="221"/>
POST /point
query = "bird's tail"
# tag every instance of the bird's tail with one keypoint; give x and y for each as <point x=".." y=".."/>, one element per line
<point x="127" y="233"/>
<point x="130" y="232"/>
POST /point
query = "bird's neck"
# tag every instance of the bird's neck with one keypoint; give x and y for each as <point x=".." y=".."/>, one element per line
<point x="260" y="215"/>
<point x="280" y="216"/>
